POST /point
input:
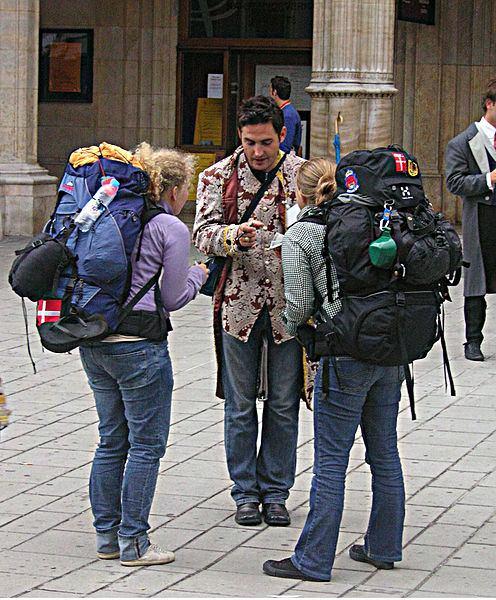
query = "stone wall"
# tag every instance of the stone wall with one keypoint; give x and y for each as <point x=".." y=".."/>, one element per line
<point x="134" y="77"/>
<point x="440" y="74"/>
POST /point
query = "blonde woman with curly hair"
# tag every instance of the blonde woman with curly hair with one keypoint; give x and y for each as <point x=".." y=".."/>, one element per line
<point x="130" y="372"/>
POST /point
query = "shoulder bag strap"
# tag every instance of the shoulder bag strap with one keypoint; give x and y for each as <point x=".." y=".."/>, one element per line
<point x="261" y="191"/>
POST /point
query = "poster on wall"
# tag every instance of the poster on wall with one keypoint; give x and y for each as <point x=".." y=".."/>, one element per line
<point x="64" y="73"/>
<point x="66" y="65"/>
<point x="417" y="11"/>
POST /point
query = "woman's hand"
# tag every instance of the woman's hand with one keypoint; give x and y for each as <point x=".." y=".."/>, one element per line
<point x="205" y="270"/>
<point x="247" y="234"/>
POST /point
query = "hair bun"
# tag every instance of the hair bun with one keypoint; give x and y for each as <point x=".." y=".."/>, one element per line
<point x="325" y="187"/>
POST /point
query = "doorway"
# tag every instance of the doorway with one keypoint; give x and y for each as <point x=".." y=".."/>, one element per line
<point x="229" y="51"/>
<point x="213" y="83"/>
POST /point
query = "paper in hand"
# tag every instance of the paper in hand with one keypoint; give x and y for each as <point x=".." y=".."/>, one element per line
<point x="292" y="215"/>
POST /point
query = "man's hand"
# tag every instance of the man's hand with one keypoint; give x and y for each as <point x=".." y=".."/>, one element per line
<point x="493" y="178"/>
<point x="247" y="234"/>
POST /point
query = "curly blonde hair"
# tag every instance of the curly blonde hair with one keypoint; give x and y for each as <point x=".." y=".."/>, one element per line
<point x="166" y="168"/>
<point x="316" y="180"/>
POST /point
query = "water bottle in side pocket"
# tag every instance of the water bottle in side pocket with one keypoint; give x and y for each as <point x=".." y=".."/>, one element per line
<point x="95" y="207"/>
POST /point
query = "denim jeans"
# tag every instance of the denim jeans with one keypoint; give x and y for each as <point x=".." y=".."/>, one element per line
<point x="365" y="395"/>
<point x="132" y="384"/>
<point x="267" y="476"/>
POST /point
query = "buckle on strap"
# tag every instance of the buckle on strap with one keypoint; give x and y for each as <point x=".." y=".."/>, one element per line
<point x="400" y="299"/>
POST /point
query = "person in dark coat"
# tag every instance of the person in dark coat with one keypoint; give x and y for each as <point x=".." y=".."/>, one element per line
<point x="471" y="174"/>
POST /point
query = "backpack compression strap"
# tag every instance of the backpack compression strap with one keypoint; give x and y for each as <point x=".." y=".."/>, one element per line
<point x="447" y="368"/>
<point x="126" y="311"/>
<point x="400" y="309"/>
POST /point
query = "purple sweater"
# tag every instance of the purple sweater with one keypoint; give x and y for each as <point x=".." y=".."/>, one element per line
<point x="166" y="244"/>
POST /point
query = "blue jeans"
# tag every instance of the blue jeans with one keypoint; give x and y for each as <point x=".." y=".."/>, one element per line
<point x="268" y="476"/>
<point x="132" y="384"/>
<point x="365" y="395"/>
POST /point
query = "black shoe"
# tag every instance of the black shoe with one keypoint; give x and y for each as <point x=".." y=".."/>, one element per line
<point x="473" y="351"/>
<point x="248" y="514"/>
<point x="358" y="553"/>
<point x="285" y="568"/>
<point x="276" y="515"/>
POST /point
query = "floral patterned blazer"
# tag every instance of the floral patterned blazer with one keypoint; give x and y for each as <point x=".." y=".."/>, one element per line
<point x="256" y="277"/>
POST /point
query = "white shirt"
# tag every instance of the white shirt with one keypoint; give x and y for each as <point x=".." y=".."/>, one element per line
<point x="489" y="131"/>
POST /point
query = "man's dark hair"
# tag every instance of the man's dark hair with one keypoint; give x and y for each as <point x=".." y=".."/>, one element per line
<point x="490" y="94"/>
<point x="282" y="86"/>
<point x="260" y="109"/>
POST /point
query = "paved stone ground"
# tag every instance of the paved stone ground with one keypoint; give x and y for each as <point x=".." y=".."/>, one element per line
<point x="46" y="539"/>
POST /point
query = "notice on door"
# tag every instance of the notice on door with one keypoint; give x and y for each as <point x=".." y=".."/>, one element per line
<point x="215" y="85"/>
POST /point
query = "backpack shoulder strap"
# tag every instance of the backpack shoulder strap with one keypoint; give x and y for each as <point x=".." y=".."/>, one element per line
<point x="312" y="219"/>
<point x="150" y="211"/>
<point x="230" y="192"/>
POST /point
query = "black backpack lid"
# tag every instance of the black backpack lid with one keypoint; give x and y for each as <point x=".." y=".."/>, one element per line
<point x="383" y="174"/>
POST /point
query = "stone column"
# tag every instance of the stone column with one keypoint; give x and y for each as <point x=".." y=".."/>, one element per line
<point x="150" y="39"/>
<point x="352" y="73"/>
<point x="26" y="190"/>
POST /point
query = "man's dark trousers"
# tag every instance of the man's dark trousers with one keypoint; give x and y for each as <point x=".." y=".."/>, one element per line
<point x="475" y="315"/>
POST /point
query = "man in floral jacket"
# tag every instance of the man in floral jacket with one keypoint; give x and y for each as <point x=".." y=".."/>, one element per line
<point x="247" y="310"/>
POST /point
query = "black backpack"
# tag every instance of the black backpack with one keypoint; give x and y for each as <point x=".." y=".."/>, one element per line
<point x="391" y="315"/>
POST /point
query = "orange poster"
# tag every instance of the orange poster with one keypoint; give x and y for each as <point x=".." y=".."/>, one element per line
<point x="65" y="67"/>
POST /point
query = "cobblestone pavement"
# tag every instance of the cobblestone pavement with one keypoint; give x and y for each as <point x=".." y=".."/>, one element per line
<point x="46" y="539"/>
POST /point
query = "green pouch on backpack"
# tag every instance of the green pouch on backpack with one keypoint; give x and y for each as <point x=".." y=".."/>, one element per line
<point x="383" y="250"/>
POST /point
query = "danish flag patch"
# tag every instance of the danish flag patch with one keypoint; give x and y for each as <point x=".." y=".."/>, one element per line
<point x="400" y="162"/>
<point x="67" y="186"/>
<point x="48" y="311"/>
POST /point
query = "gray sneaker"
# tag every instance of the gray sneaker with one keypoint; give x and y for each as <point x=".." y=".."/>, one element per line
<point x="153" y="556"/>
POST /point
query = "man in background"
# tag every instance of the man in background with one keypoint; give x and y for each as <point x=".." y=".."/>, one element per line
<point x="280" y="91"/>
<point x="471" y="174"/>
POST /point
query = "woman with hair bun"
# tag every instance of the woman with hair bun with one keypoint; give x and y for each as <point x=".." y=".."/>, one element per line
<point x="358" y="394"/>
<point x="130" y="372"/>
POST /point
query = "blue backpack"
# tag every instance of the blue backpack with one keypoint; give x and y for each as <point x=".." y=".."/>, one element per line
<point x="90" y="271"/>
<point x="104" y="252"/>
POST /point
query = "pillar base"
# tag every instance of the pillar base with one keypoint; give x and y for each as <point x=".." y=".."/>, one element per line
<point x="366" y="109"/>
<point x="27" y="197"/>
